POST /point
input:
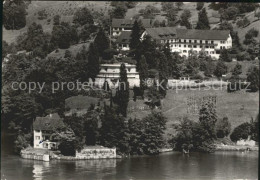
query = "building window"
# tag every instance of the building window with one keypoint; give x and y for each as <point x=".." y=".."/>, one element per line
<point x="189" y="41"/>
<point x="185" y="40"/>
<point x="37" y="137"/>
<point x="207" y="46"/>
<point x="206" y="42"/>
<point x="194" y="46"/>
<point x="175" y="45"/>
<point x="195" y="41"/>
<point x="184" y="51"/>
<point x="212" y="47"/>
<point x="200" y="41"/>
<point x="179" y="45"/>
<point x="212" y="42"/>
<point x="220" y="47"/>
<point x="179" y="40"/>
<point x="189" y="46"/>
<point x="212" y="52"/>
<point x="201" y="46"/>
<point x="185" y="46"/>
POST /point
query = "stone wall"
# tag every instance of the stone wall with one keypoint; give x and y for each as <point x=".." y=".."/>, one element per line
<point x="96" y="153"/>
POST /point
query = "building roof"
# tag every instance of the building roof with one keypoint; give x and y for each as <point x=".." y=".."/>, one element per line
<point x="122" y="23"/>
<point x="162" y="32"/>
<point x="124" y="37"/>
<point x="50" y="122"/>
<point x="182" y="33"/>
<point x="202" y="34"/>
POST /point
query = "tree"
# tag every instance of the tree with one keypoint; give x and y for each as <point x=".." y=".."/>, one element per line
<point x="86" y="31"/>
<point x="68" y="142"/>
<point x="14" y="15"/>
<point x="83" y="17"/>
<point x="163" y="76"/>
<point x="237" y="69"/>
<point x="234" y="84"/>
<point x="91" y="127"/>
<point x="64" y="35"/>
<point x="149" y="12"/>
<point x="179" y="5"/>
<point x="119" y="12"/>
<point x="221" y="69"/>
<point x="253" y="79"/>
<point x="241" y="132"/>
<point x="204" y="131"/>
<point x="101" y="42"/>
<point x="122" y="94"/>
<point x="93" y="66"/>
<point x="183" y="140"/>
<point x="223" y="127"/>
<point x="135" y="36"/>
<point x="114" y="131"/>
<point x="67" y="54"/>
<point x="143" y="71"/>
<point x="185" y="16"/>
<point x="224" y="56"/>
<point x="200" y="5"/>
<point x="203" y="22"/>
<point x="56" y="20"/>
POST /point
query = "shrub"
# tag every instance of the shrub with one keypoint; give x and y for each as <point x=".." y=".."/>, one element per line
<point x="240" y="132"/>
<point x="223" y="127"/>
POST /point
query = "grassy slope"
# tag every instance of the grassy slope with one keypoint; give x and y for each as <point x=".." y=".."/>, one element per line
<point x="65" y="9"/>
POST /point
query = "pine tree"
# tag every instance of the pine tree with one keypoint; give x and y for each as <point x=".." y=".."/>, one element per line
<point x="237" y="69"/>
<point x="93" y="65"/>
<point x="143" y="71"/>
<point x="203" y="22"/>
<point x="163" y="76"/>
<point x="122" y="94"/>
<point x="135" y="36"/>
<point x="253" y="79"/>
<point x="101" y="42"/>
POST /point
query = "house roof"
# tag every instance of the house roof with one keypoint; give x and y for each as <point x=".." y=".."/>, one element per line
<point x="162" y="32"/>
<point x="124" y="37"/>
<point x="130" y="22"/>
<point x="50" y="122"/>
<point x="182" y="33"/>
<point x="202" y="34"/>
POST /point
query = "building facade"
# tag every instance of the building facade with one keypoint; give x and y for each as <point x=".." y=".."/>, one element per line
<point x="43" y="127"/>
<point x="111" y="74"/>
<point x="123" y="41"/>
<point x="124" y="25"/>
<point x="185" y="41"/>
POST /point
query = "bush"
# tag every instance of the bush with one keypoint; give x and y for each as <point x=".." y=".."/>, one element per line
<point x="223" y="127"/>
<point x="108" y="54"/>
<point x="241" y="132"/>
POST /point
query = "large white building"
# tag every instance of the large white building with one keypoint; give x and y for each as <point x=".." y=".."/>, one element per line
<point x="184" y="41"/>
<point x="111" y="74"/>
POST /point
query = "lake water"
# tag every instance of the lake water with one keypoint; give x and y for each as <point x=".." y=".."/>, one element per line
<point x="173" y="165"/>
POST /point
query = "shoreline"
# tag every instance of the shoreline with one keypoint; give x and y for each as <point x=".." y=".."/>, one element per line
<point x="41" y="156"/>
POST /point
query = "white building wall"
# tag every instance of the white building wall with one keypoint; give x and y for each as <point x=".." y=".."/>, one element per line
<point x="37" y="137"/>
<point x="117" y="31"/>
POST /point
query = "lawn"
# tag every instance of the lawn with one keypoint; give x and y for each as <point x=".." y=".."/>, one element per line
<point x="239" y="107"/>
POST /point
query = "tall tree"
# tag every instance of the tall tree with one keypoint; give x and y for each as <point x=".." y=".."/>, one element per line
<point x="253" y="79"/>
<point x="14" y="14"/>
<point x="203" y="22"/>
<point x="101" y="42"/>
<point x="82" y="17"/>
<point x="224" y="56"/>
<point x="119" y="12"/>
<point x="135" y="36"/>
<point x="114" y="131"/>
<point x="200" y="5"/>
<point x="122" y="94"/>
<point x="143" y="71"/>
<point x="93" y="66"/>
<point x="221" y="69"/>
<point x="163" y="76"/>
<point x="185" y="17"/>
